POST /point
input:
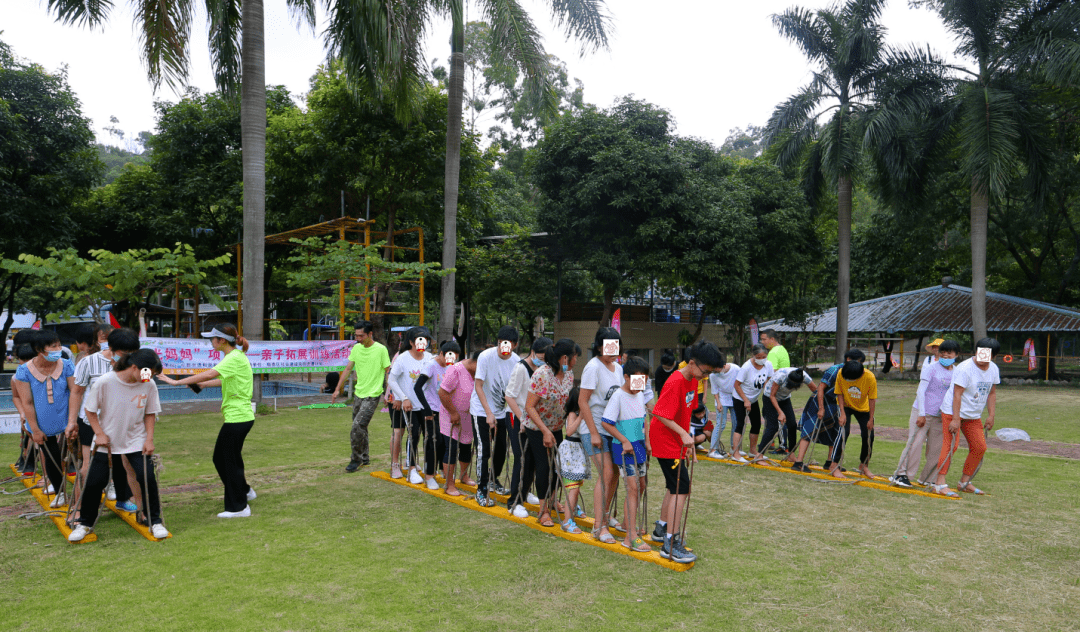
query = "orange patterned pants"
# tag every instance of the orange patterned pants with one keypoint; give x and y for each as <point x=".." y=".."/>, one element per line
<point x="973" y="432"/>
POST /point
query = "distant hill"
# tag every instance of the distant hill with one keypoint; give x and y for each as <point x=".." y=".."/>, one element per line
<point x="115" y="158"/>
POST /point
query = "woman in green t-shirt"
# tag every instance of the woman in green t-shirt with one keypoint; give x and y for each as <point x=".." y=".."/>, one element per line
<point x="233" y="375"/>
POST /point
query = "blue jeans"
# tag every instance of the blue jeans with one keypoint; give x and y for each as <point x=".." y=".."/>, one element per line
<point x="723" y="414"/>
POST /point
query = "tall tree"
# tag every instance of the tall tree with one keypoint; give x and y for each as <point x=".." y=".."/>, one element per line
<point x="1019" y="48"/>
<point x="822" y="125"/>
<point x="47" y="164"/>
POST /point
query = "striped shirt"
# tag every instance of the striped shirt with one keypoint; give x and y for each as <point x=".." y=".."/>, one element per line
<point x="88" y="371"/>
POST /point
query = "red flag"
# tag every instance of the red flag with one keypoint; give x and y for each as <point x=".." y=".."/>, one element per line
<point x="616" y="320"/>
<point x="36" y="326"/>
<point x="112" y="321"/>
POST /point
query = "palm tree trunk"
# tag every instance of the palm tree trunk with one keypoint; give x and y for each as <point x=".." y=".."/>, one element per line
<point x="843" y="260"/>
<point x="253" y="139"/>
<point x="980" y="207"/>
<point x="453" y="167"/>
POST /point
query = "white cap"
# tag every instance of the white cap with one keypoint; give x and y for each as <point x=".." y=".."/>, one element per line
<point x="214" y="333"/>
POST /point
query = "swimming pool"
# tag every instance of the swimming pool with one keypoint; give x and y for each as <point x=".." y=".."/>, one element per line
<point x="185" y="394"/>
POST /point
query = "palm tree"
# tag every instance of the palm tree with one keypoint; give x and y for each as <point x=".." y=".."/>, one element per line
<point x="1018" y="47"/>
<point x="374" y="39"/>
<point x="516" y="42"/>
<point x="822" y="126"/>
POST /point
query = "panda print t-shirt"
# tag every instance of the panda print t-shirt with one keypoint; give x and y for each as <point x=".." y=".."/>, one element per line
<point x="753" y="379"/>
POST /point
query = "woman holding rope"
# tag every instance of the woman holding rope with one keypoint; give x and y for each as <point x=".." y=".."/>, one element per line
<point x="45" y="386"/>
<point x="122" y="407"/>
<point x="545" y="406"/>
<point x="233" y="374"/>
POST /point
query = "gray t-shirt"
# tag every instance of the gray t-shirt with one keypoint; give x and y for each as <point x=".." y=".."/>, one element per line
<point x="122" y="408"/>
<point x="779" y="377"/>
<point x="604" y="382"/>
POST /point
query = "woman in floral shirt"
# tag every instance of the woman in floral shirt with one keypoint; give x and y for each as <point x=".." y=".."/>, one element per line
<point x="545" y="407"/>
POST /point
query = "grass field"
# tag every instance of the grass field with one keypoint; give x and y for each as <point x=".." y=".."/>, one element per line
<point x="327" y="550"/>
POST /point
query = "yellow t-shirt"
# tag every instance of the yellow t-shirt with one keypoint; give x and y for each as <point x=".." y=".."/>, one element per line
<point x="700" y="383"/>
<point x="857" y="394"/>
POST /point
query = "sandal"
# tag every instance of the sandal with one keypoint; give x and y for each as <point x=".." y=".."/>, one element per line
<point x="968" y="488"/>
<point x="604" y="537"/>
<point x="614" y="524"/>
<point x="638" y="545"/>
<point x="571" y="527"/>
<point x="545" y="520"/>
<point x="944" y="491"/>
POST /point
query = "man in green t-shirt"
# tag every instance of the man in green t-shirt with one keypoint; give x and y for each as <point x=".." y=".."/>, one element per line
<point x="778" y="355"/>
<point x="372" y="364"/>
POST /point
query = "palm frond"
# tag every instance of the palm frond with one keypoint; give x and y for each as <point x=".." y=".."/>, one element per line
<point x="303" y="13"/>
<point x="584" y="20"/>
<point x="803" y="29"/>
<point x="164" y="32"/>
<point x="89" y="13"/>
<point x="225" y="22"/>
<point x="792" y="114"/>
<point x="989" y="137"/>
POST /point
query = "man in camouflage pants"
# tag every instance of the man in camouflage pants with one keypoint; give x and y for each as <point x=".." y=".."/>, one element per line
<point x="372" y="363"/>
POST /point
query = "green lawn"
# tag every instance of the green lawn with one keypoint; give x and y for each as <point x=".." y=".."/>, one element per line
<point x="327" y="550"/>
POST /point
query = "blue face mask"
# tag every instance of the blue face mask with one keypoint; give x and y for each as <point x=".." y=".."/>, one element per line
<point x="565" y="368"/>
<point x="947" y="361"/>
<point x="537" y="361"/>
<point x="53" y="356"/>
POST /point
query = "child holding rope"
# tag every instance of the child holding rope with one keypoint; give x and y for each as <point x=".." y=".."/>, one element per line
<point x="973" y="389"/>
<point x="45" y="386"/>
<point x="624" y="420"/>
<point x="572" y="459"/>
<point x="427" y="391"/>
<point x="404" y="372"/>
<point x="517" y="394"/>
<point x="670" y="442"/>
<point x="455" y="422"/>
<point x="723" y="388"/>
<point x="122" y="407"/>
<point x="856" y="396"/>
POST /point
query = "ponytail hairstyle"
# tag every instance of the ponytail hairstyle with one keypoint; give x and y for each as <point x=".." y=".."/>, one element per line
<point x="229" y="329"/>
<point x="143" y="358"/>
<point x="572" y="403"/>
<point x="564" y="347"/>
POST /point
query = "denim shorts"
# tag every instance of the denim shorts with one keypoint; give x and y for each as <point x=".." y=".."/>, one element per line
<point x="590" y="450"/>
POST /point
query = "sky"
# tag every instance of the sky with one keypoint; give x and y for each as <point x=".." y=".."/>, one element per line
<point x="715" y="65"/>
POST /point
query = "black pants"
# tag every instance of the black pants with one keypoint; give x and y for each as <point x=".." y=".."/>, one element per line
<point x="867" y="435"/>
<point x="229" y="462"/>
<point x="461" y="451"/>
<point x="98" y="477"/>
<point x="54" y="471"/>
<point x="544" y="460"/>
<point x="119" y="474"/>
<point x="524" y="465"/>
<point x="484" y="450"/>
<point x="740" y="416"/>
<point x="429" y="428"/>
<point x="772" y="425"/>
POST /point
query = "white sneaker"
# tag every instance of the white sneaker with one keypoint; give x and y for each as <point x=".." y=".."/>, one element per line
<point x="58" y="501"/>
<point x="244" y="513"/>
<point x="739" y="459"/>
<point x="49" y="490"/>
<point x="531" y="498"/>
<point x="251" y="495"/>
<point x="110" y="491"/>
<point x="715" y="454"/>
<point x="432" y="483"/>
<point x="79" y="532"/>
<point x="160" y="532"/>
<point x="414" y="477"/>
<point x="520" y="511"/>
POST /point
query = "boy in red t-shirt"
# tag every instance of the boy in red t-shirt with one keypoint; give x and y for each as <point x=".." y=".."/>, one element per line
<point x="670" y="442"/>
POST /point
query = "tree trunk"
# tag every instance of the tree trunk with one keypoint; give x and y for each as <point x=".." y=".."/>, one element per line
<point x="453" y="167"/>
<point x="843" y="261"/>
<point x="253" y="138"/>
<point x="609" y="306"/>
<point x="980" y="206"/>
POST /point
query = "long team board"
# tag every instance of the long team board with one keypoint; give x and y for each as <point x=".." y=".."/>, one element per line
<point x="126" y="516"/>
<point x="499" y="511"/>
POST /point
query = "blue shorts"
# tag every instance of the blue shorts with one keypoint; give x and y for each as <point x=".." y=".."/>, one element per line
<point x="630" y="465"/>
<point x="590" y="450"/>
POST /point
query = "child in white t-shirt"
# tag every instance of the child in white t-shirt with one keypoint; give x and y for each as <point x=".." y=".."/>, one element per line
<point x="973" y="389"/>
<point x="722" y="385"/>
<point x="122" y="407"/>
<point x="624" y="420"/>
